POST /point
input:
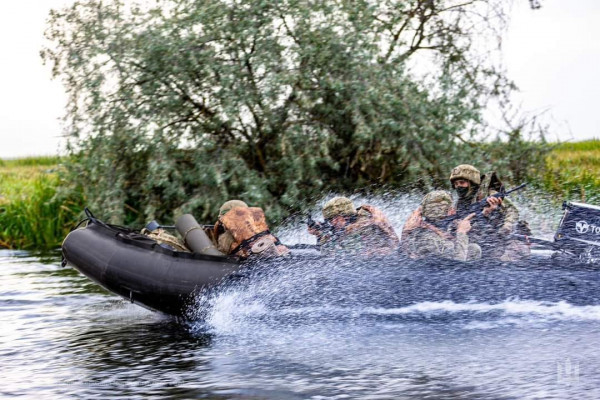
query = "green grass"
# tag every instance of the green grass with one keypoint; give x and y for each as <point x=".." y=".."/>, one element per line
<point x="33" y="214"/>
<point x="587" y="145"/>
<point x="48" y="161"/>
<point x="573" y="171"/>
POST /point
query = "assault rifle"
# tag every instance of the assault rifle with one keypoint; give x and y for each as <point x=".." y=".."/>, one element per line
<point x="476" y="208"/>
<point x="325" y="226"/>
<point x="322" y="227"/>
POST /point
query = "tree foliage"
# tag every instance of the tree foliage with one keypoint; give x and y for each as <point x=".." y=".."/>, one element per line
<point x="178" y="106"/>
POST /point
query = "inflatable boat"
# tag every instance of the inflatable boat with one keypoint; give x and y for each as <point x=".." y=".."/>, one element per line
<point x="139" y="269"/>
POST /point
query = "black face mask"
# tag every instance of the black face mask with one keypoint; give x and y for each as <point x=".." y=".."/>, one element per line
<point x="463" y="192"/>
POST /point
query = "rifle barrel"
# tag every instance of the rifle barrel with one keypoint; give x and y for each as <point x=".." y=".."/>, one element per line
<point x="476" y="207"/>
<point x="521" y="186"/>
<point x="533" y="240"/>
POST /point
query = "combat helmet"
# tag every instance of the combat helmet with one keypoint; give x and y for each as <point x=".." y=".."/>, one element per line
<point x="466" y="171"/>
<point x="436" y="204"/>
<point x="231" y="204"/>
<point x="338" y="206"/>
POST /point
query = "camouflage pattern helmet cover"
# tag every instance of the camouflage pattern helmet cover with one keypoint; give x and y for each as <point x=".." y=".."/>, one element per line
<point x="231" y="204"/>
<point x="466" y="171"/>
<point x="436" y="204"/>
<point x="338" y="206"/>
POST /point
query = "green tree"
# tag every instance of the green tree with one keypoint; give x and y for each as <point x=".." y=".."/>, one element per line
<point x="177" y="106"/>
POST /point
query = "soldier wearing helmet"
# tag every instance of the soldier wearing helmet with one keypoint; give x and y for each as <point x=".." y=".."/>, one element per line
<point x="364" y="230"/>
<point x="500" y="217"/>
<point x="421" y="238"/>
<point x="242" y="231"/>
<point x="465" y="179"/>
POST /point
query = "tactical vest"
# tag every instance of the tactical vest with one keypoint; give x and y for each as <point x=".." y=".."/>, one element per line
<point x="486" y="234"/>
<point x="411" y="230"/>
<point x="250" y="232"/>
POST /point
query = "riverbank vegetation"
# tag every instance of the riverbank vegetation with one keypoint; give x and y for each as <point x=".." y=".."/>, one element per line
<point x="34" y="212"/>
<point x="38" y="206"/>
<point x="572" y="171"/>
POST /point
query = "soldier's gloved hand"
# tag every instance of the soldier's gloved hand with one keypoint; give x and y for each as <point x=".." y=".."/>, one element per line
<point x="464" y="225"/>
<point x="413" y="221"/>
<point x="493" y="204"/>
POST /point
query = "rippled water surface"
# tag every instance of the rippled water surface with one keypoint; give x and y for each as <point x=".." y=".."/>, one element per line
<point x="327" y="330"/>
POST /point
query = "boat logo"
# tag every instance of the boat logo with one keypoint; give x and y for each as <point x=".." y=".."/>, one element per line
<point x="582" y="227"/>
<point x="585" y="227"/>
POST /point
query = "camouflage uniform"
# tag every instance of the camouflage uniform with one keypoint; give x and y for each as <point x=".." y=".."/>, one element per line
<point x="421" y="239"/>
<point x="242" y="231"/>
<point x="490" y="232"/>
<point x="424" y="242"/>
<point x="163" y="238"/>
<point x="225" y="239"/>
<point x="367" y="231"/>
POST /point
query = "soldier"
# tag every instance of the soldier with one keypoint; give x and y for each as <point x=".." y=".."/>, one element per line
<point x="499" y="219"/>
<point x="242" y="231"/>
<point x="364" y="230"/>
<point x="421" y="238"/>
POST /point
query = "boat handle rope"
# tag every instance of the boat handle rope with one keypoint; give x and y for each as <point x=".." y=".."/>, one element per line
<point x="90" y="217"/>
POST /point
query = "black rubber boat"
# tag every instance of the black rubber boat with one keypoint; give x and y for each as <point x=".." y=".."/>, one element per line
<point x="139" y="269"/>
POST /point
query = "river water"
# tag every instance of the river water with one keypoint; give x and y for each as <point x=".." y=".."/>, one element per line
<point x="337" y="329"/>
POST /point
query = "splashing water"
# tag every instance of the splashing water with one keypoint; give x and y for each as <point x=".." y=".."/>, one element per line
<point x="326" y="328"/>
<point x="344" y="288"/>
<point x="342" y="328"/>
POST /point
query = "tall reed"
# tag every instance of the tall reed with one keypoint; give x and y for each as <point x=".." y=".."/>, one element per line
<point x="33" y="212"/>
